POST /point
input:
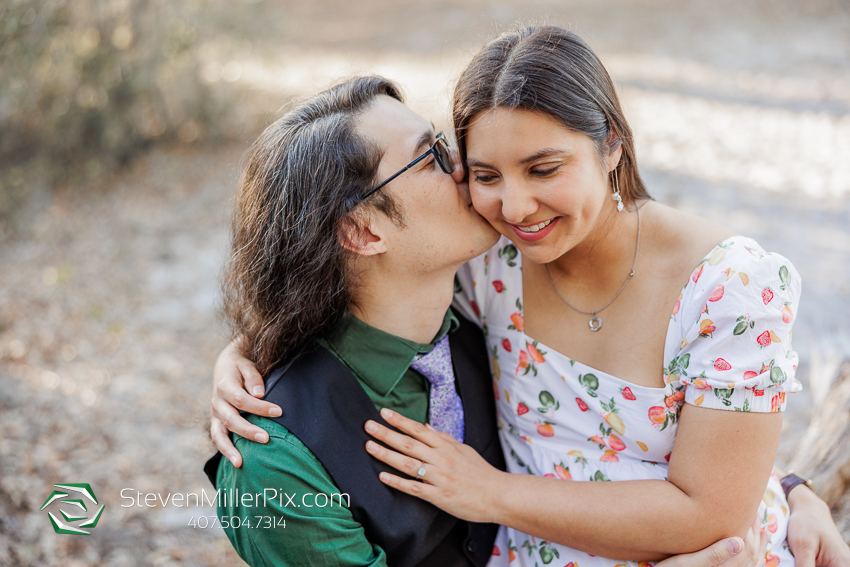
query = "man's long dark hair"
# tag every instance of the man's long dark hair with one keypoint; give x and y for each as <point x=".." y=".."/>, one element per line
<point x="550" y="70"/>
<point x="289" y="279"/>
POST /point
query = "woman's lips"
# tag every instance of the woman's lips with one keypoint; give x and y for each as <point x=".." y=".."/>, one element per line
<point x="533" y="236"/>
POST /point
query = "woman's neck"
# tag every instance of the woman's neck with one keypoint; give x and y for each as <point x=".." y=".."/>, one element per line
<point x="605" y="256"/>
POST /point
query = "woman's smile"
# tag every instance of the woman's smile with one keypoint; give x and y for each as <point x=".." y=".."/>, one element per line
<point x="537" y="231"/>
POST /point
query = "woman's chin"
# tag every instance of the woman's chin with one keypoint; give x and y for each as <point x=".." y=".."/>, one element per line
<point x="541" y="252"/>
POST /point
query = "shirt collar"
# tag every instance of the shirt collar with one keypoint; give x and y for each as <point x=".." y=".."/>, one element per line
<point x="377" y="358"/>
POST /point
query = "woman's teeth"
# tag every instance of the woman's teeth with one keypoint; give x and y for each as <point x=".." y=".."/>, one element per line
<point x="536" y="227"/>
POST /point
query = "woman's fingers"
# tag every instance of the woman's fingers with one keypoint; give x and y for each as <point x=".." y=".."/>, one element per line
<point x="413" y="487"/>
<point x="730" y="552"/>
<point x="754" y="548"/>
<point x="407" y="445"/>
<point x="402" y="463"/>
<point x="219" y="436"/>
<point x="237" y="381"/>
<point x="253" y="379"/>
<point x="441" y="434"/>
<point x="428" y="436"/>
<point x="715" y="555"/>
<point x="230" y="391"/>
<point x="765" y="539"/>
<point x="231" y="420"/>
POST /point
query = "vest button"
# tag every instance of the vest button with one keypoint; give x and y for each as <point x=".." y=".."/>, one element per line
<point x="472" y="546"/>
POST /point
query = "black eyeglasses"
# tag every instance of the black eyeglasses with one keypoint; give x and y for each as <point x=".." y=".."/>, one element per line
<point x="440" y="149"/>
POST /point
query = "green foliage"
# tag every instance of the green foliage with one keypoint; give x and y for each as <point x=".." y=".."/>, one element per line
<point x="87" y="84"/>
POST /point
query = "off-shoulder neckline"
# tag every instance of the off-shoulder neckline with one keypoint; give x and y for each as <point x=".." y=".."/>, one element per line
<point x="666" y="338"/>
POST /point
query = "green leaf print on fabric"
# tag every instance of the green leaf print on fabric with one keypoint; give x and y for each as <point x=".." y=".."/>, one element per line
<point x="547" y="553"/>
<point x="723" y="394"/>
<point x="520" y="462"/>
<point x="679" y="365"/>
<point x="548" y="403"/>
<point x="509" y="254"/>
<point x="599" y="476"/>
<point x="591" y="382"/>
<point x="777" y="375"/>
<point x="743" y="323"/>
<point x="783" y="276"/>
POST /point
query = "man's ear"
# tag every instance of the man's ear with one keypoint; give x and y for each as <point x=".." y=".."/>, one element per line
<point x="361" y="235"/>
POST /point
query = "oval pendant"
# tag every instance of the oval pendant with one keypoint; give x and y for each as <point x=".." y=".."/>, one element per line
<point x="595" y="323"/>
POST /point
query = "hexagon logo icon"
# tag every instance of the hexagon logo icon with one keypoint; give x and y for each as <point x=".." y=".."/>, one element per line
<point x="74" y="495"/>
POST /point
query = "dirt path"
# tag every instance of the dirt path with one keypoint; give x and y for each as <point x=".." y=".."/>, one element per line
<point x="107" y="301"/>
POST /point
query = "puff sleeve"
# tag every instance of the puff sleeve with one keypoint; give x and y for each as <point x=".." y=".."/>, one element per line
<point x="737" y="313"/>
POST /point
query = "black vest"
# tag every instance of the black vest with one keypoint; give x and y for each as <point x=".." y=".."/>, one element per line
<point x="326" y="407"/>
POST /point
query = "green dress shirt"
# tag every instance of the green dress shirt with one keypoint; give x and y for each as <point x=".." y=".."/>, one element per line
<point x="319" y="535"/>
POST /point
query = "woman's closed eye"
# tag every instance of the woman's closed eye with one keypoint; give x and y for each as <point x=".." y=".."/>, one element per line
<point x="484" y="177"/>
<point x="545" y="172"/>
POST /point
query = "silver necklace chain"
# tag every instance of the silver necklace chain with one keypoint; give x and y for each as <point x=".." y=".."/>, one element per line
<point x="595" y="322"/>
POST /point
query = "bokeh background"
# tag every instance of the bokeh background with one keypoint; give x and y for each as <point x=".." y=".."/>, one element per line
<point x="122" y="123"/>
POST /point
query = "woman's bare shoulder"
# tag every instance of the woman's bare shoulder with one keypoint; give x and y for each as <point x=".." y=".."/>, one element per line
<point x="684" y="239"/>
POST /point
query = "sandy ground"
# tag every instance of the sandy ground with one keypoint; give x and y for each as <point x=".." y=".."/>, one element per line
<point x="108" y="325"/>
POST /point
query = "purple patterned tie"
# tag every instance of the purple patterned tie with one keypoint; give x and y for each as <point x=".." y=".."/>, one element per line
<point x="445" y="412"/>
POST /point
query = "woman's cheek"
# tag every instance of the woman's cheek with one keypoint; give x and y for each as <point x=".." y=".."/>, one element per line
<point x="487" y="203"/>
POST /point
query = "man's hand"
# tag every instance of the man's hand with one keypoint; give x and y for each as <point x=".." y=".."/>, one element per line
<point x="729" y="552"/>
<point x="812" y="536"/>
<point x="233" y="378"/>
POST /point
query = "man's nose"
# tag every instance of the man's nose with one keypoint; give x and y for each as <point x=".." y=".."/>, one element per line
<point x="518" y="202"/>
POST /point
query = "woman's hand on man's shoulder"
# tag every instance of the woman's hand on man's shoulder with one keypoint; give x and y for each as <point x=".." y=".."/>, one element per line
<point x="237" y="387"/>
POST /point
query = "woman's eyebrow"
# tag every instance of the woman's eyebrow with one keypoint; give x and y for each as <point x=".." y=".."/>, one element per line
<point x="470" y="162"/>
<point x="548" y="152"/>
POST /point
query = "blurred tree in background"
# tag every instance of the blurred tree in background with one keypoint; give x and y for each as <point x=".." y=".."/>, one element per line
<point x="85" y="85"/>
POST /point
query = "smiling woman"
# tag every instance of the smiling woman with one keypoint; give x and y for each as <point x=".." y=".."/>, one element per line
<point x="552" y="167"/>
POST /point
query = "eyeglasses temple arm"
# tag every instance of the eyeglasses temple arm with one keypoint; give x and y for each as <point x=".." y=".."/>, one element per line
<point x="411" y="164"/>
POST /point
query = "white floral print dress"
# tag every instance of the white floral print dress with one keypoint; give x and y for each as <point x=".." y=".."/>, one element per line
<point x="728" y="347"/>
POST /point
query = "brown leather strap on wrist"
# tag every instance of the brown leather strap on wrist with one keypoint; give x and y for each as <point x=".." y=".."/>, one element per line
<point x="792" y="480"/>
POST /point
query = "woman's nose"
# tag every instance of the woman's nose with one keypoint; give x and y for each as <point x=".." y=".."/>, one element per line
<point x="518" y="203"/>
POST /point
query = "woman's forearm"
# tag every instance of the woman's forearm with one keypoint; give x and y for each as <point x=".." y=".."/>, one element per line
<point x="641" y="520"/>
<point x="719" y="466"/>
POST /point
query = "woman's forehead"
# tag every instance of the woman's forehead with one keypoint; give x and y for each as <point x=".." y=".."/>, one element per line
<point x="519" y="135"/>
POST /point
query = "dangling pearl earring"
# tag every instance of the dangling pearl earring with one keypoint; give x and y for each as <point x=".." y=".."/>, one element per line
<point x="616" y="195"/>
